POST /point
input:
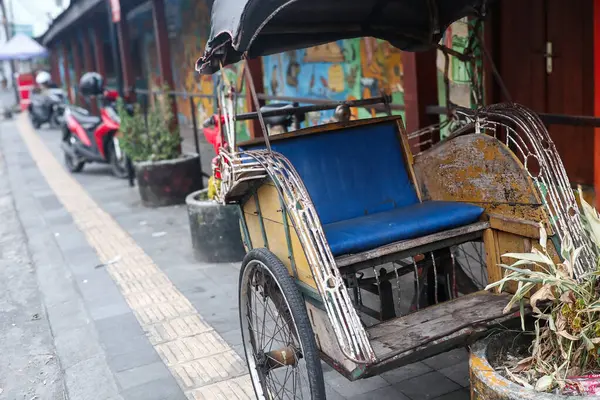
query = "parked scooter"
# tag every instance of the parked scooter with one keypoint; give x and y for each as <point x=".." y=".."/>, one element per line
<point x="48" y="102"/>
<point x="88" y="138"/>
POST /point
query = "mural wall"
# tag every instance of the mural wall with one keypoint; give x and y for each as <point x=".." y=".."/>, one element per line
<point x="188" y="23"/>
<point x="346" y="69"/>
<point x="460" y="73"/>
<point x="455" y="38"/>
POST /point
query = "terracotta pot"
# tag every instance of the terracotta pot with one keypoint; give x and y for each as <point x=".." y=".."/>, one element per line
<point x="487" y="384"/>
<point x="215" y="229"/>
<point x="168" y="182"/>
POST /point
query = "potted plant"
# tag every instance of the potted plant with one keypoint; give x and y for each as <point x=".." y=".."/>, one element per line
<point x="558" y="355"/>
<point x="215" y="229"/>
<point x="165" y="176"/>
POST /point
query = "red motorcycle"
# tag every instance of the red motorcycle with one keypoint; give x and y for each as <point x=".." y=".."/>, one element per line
<point x="212" y="133"/>
<point x="88" y="138"/>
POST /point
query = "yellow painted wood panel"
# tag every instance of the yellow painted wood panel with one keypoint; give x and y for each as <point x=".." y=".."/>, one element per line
<point x="256" y="237"/>
<point x="530" y="213"/>
<point x="492" y="258"/>
<point x="278" y="245"/>
<point x="510" y="243"/>
<point x="277" y="242"/>
<point x="250" y="206"/>
<point x="270" y="205"/>
<point x="300" y="258"/>
<point x="408" y="158"/>
<point x="270" y="208"/>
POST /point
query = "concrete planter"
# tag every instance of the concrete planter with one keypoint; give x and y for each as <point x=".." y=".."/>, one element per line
<point x="215" y="229"/>
<point x="168" y="182"/>
<point x="487" y="384"/>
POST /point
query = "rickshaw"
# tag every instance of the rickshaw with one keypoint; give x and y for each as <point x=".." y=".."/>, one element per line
<point x="359" y="241"/>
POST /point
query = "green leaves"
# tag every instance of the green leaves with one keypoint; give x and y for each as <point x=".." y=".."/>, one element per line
<point x="153" y="139"/>
<point x="567" y="310"/>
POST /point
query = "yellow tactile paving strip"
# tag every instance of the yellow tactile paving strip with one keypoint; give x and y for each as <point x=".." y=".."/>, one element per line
<point x="201" y="361"/>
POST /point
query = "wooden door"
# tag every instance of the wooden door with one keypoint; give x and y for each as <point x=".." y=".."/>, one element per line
<point x="546" y="61"/>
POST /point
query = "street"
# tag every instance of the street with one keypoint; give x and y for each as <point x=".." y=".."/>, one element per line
<point x="103" y="299"/>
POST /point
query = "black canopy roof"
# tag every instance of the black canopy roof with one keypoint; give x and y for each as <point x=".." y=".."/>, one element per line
<point x="262" y="27"/>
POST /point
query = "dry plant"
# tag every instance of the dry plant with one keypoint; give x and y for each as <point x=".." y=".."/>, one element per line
<point x="566" y="312"/>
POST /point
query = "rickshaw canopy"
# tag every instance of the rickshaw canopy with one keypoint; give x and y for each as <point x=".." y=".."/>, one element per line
<point x="260" y="27"/>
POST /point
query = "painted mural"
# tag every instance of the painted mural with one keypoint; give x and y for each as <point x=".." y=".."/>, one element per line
<point x="188" y="23"/>
<point x="186" y="47"/>
<point x="461" y="90"/>
<point x="346" y="69"/>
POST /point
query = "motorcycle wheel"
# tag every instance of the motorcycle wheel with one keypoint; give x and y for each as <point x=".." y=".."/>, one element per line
<point x="72" y="165"/>
<point x="118" y="166"/>
<point x="36" y="124"/>
<point x="55" y="121"/>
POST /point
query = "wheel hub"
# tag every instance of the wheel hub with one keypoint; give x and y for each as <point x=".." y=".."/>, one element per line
<point x="284" y="357"/>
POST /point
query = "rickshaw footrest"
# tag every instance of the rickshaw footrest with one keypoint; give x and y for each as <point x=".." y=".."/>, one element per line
<point x="436" y="329"/>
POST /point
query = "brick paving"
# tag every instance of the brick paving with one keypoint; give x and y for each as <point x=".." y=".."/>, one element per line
<point x="196" y="356"/>
<point x="185" y="311"/>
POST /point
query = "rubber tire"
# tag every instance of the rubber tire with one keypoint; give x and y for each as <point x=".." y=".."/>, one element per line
<point x="74" y="168"/>
<point x="54" y="121"/>
<point x="116" y="169"/>
<point x="298" y="310"/>
<point x="36" y="124"/>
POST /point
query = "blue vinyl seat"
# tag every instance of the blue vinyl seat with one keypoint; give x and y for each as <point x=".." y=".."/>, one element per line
<point x="358" y="182"/>
<point x="371" y="231"/>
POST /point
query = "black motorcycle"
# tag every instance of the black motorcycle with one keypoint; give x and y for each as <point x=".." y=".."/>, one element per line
<point x="47" y="106"/>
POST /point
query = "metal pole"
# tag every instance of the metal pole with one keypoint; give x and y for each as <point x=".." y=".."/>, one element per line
<point x="316" y="107"/>
<point x="130" y="171"/>
<point x="258" y="113"/>
<point x="145" y="109"/>
<point x="115" y="50"/>
<point x="7" y="33"/>
<point x="195" y="127"/>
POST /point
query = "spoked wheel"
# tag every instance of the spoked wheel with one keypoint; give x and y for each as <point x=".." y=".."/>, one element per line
<point x="279" y="343"/>
<point x="471" y="258"/>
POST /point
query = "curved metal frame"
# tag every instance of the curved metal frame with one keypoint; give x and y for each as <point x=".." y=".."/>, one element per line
<point x="523" y="132"/>
<point x="259" y="164"/>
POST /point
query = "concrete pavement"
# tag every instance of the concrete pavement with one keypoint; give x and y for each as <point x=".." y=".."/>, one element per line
<point x="116" y="342"/>
<point x="29" y="367"/>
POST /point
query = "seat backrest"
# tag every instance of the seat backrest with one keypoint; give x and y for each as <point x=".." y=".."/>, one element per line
<point x="352" y="171"/>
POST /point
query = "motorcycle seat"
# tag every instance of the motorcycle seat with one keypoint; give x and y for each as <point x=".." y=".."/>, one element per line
<point x="285" y="119"/>
<point x="87" y="121"/>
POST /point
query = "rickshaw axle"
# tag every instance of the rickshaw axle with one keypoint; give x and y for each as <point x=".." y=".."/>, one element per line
<point x="287" y="356"/>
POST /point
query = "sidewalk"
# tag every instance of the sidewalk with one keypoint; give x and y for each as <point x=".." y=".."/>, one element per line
<point x="123" y="321"/>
